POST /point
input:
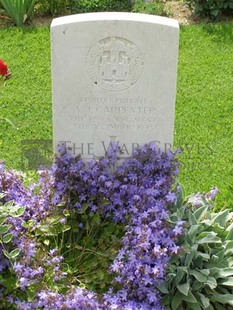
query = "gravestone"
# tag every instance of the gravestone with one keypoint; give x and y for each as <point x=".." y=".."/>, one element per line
<point x="113" y="81"/>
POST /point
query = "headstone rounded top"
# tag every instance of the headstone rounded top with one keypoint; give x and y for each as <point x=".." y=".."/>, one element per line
<point x="100" y="16"/>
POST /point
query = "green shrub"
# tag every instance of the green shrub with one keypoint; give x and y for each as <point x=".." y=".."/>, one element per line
<point x="212" y="9"/>
<point x="51" y="7"/>
<point x="85" y="6"/>
<point x="19" y="10"/>
<point x="201" y="276"/>
<point x="156" y="7"/>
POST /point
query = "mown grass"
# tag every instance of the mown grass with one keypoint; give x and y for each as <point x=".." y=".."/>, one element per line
<point x="204" y="107"/>
<point x="26" y="99"/>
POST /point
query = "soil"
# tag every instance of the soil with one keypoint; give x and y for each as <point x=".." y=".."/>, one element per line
<point x="42" y="21"/>
<point x="181" y="12"/>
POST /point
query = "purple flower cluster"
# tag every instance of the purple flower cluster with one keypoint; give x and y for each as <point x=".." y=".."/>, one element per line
<point x="11" y="188"/>
<point x="148" y="241"/>
<point x="27" y="268"/>
<point x="137" y="192"/>
<point x="75" y="299"/>
<point x="36" y="198"/>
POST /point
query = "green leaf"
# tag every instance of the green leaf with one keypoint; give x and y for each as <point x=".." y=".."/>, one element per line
<point x="204" y="256"/>
<point x="221" y="253"/>
<point x="200" y="212"/>
<point x="192" y="232"/>
<point x="46" y="230"/>
<point x="66" y="213"/>
<point x="214" y="260"/>
<point x="46" y="242"/>
<point x="190" y="298"/>
<point x="219" y="306"/>
<point x="192" y="219"/>
<point x="105" y="202"/>
<point x="221" y="218"/>
<point x="7" y="238"/>
<point x="205" y="272"/>
<point x="100" y="274"/>
<point x="198" y="261"/>
<point x="229" y="235"/>
<point x="230" y="261"/>
<point x="227" y="281"/>
<point x="3" y="219"/>
<point x="85" y="206"/>
<point x="4" y="229"/>
<point x="199" y="276"/>
<point x="9" y="121"/>
<point x="55" y="220"/>
<point x="184" y="288"/>
<point x="9" y="282"/>
<point x="96" y="219"/>
<point x="14" y="253"/>
<point x="193" y="306"/>
<point x="176" y="301"/>
<point x="211" y="282"/>
<point x="180" y="196"/>
<point x="28" y="224"/>
<point x="229" y="247"/>
<point x="215" y="12"/>
<point x="205" y="301"/>
<point x="189" y="258"/>
<point x="66" y="228"/>
<point x="166" y="301"/>
<point x="210" y="238"/>
<point x="217" y="228"/>
<point x="19" y="11"/>
<point x="179" y="275"/>
<point x="222" y="298"/>
<point x="6" y="253"/>
<point x="196" y="286"/>
<point x="16" y="211"/>
<point x="224" y="272"/>
<point x="162" y="287"/>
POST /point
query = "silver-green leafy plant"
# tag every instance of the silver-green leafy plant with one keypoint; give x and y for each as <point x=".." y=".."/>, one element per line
<point x="19" y="10"/>
<point x="201" y="275"/>
<point x="7" y="210"/>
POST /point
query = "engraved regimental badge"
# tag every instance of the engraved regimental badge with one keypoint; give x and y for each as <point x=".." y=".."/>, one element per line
<point x="114" y="64"/>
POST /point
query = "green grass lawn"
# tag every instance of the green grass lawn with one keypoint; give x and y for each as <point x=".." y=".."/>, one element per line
<point x="204" y="106"/>
<point x="204" y="109"/>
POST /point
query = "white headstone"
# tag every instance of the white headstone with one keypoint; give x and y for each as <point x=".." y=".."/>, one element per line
<point x="114" y="80"/>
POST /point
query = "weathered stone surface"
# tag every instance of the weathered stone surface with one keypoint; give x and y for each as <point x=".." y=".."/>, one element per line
<point x="114" y="79"/>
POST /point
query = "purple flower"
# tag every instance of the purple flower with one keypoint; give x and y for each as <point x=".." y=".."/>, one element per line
<point x="136" y="192"/>
<point x="212" y="194"/>
<point x="17" y="267"/>
<point x="23" y="283"/>
<point x="171" y="197"/>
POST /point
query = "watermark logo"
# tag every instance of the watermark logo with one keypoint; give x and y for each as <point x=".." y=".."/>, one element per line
<point x="36" y="154"/>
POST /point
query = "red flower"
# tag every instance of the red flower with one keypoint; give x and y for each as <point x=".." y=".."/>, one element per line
<point x="3" y="68"/>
